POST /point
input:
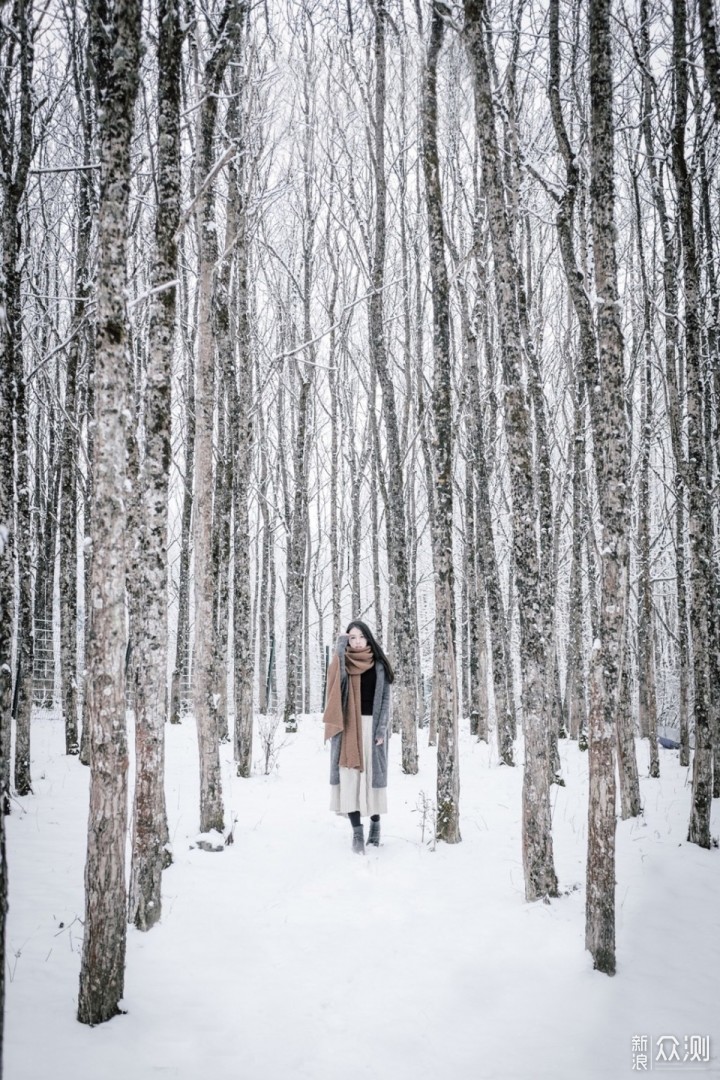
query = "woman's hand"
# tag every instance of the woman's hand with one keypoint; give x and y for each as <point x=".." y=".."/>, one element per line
<point x="379" y="741"/>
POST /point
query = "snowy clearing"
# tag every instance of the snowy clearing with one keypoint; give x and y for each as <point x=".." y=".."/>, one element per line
<point x="288" y="956"/>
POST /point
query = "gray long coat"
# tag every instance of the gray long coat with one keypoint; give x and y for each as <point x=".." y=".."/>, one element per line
<point x="381" y="716"/>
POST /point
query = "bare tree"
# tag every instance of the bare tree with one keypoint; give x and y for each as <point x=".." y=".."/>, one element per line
<point x="232" y="296"/>
<point x="444" y="664"/>
<point x="646" y="630"/>
<point x="204" y="667"/>
<point x="708" y="28"/>
<point x="15" y="154"/>
<point x="150" y="847"/>
<point x="181" y="667"/>
<point x="103" y="958"/>
<point x="698" y="516"/>
<point x="404" y="688"/>
<point x="672" y="359"/>
<point x="540" y="878"/>
<point x="16" y="147"/>
<point x="297" y="583"/>
<point x="610" y="438"/>
<point x="70" y="437"/>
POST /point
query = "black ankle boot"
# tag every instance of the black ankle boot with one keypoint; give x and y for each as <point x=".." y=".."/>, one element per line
<point x="374" y="834"/>
<point x="358" y="840"/>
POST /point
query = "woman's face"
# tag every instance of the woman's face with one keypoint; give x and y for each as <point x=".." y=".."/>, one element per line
<point x="356" y="639"/>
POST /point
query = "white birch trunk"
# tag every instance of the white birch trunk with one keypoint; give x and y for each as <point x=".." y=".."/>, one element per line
<point x="103" y="957"/>
<point x="150" y="840"/>
<point x="205" y="690"/>
<point x="540" y="878"/>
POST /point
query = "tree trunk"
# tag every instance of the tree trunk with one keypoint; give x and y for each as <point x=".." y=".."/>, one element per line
<point x="487" y="556"/>
<point x="611" y="449"/>
<point x="265" y="542"/>
<point x="181" y="668"/>
<point x="296" y="561"/>
<point x="377" y="481"/>
<point x="708" y="28"/>
<point x="240" y="389"/>
<point x="357" y="465"/>
<point x="81" y="350"/>
<point x="575" y="688"/>
<point x="334" y="482"/>
<point x="16" y="155"/>
<point x="404" y="704"/>
<point x="88" y="502"/>
<point x="222" y="517"/>
<point x="630" y="805"/>
<point x="44" y="512"/>
<point x="150" y="841"/>
<point x="646" y="631"/>
<point x="476" y="706"/>
<point x="103" y="957"/>
<point x="444" y="665"/>
<point x="698" y="515"/>
<point x="672" y="358"/>
<point x="540" y="878"/>
<point x="204" y="664"/>
<point x="711" y="382"/>
<point x="15" y="162"/>
<point x="69" y="471"/>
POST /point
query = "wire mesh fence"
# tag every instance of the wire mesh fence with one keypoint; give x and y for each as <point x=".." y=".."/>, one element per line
<point x="43" y="665"/>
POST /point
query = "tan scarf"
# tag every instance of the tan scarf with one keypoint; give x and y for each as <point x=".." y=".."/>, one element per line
<point x="357" y="661"/>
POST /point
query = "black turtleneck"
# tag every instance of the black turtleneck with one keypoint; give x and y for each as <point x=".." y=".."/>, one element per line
<point x="367" y="691"/>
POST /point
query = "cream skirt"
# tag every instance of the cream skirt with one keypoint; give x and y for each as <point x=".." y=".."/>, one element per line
<point x="355" y="790"/>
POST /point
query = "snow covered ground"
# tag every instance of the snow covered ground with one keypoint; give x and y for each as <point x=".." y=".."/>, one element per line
<point x="286" y="957"/>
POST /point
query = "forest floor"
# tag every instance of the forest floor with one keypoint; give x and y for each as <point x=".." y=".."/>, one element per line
<point x="286" y="957"/>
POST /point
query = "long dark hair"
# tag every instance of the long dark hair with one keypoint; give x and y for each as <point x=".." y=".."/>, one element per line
<point x="376" y="649"/>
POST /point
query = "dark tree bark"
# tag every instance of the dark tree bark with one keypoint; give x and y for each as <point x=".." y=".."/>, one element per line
<point x="575" y="684"/>
<point x="672" y="359"/>
<point x="204" y="665"/>
<point x="99" y="68"/>
<point x="15" y="156"/>
<point x="334" y="468"/>
<point x="399" y="605"/>
<point x="16" y="147"/>
<point x="222" y="517"/>
<point x="377" y="483"/>
<point x="103" y="958"/>
<point x="611" y="442"/>
<point x="357" y="464"/>
<point x="505" y="723"/>
<point x="44" y="513"/>
<point x="243" y="661"/>
<point x="646" y="631"/>
<point x="475" y="642"/>
<point x="181" y="668"/>
<point x="575" y="697"/>
<point x="88" y="410"/>
<point x="69" y="465"/>
<point x="540" y="878"/>
<point x="708" y="29"/>
<point x="296" y="558"/>
<point x="698" y="515"/>
<point x="630" y="805"/>
<point x="232" y="320"/>
<point x="711" y="391"/>
<point x="444" y="666"/>
<point x="265" y="614"/>
<point x="150" y="841"/>
<point x="298" y="583"/>
<point x="292" y="425"/>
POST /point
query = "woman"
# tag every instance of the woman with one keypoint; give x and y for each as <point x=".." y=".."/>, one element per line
<point x="356" y="719"/>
